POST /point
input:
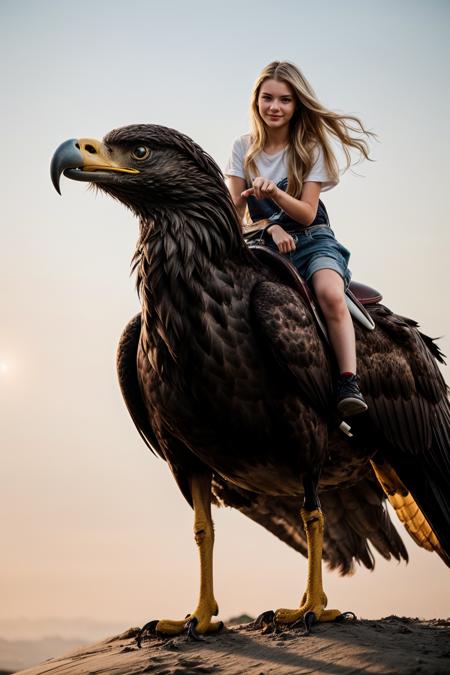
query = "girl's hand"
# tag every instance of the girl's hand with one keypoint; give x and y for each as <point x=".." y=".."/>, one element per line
<point x="261" y="189"/>
<point x="282" y="239"/>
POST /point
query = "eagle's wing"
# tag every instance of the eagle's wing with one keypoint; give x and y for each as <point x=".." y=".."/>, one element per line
<point x="354" y="517"/>
<point x="290" y="337"/>
<point x="410" y="414"/>
<point x="181" y="461"/>
<point x="129" y="383"/>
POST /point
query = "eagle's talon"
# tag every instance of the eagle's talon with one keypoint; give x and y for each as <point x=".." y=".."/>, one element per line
<point x="264" y="620"/>
<point x="150" y="627"/>
<point x="346" y="617"/>
<point x="300" y="623"/>
<point x="191" y="632"/>
<point x="309" y="620"/>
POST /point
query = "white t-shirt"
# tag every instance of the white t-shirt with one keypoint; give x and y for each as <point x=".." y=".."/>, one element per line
<point x="274" y="167"/>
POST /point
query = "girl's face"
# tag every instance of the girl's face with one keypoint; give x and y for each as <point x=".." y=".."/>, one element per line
<point x="276" y="103"/>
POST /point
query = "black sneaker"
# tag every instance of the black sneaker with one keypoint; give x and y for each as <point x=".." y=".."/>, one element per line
<point x="350" y="401"/>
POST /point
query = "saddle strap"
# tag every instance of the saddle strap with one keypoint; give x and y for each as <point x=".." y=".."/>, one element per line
<point x="288" y="274"/>
<point x="357" y="295"/>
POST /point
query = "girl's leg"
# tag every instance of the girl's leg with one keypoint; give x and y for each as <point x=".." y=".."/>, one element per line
<point x="329" y="289"/>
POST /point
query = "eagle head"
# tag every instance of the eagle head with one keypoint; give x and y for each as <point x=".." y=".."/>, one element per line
<point x="148" y="167"/>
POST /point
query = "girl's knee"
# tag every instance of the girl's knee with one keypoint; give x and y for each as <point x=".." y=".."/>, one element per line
<point x="332" y="301"/>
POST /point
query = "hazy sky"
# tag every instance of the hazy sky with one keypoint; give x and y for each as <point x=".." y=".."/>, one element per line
<point x="92" y="524"/>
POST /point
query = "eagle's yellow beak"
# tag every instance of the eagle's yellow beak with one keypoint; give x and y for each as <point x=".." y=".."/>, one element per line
<point x="79" y="158"/>
<point x="95" y="157"/>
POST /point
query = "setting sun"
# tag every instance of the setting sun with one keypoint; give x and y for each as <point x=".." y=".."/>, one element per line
<point x="5" y="368"/>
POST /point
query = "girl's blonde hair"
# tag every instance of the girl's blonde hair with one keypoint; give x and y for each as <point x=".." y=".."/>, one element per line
<point x="311" y="125"/>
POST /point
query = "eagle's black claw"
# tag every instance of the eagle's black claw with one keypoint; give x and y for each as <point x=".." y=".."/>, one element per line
<point x="264" y="620"/>
<point x="346" y="616"/>
<point x="300" y="623"/>
<point x="309" y="620"/>
<point x="150" y="627"/>
<point x="192" y="633"/>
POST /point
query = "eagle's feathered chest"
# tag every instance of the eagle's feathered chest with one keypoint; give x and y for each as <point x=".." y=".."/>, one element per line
<point x="207" y="373"/>
<point x="212" y="356"/>
<point x="220" y="390"/>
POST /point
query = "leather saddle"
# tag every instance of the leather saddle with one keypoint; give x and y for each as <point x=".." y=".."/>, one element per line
<point x="357" y="295"/>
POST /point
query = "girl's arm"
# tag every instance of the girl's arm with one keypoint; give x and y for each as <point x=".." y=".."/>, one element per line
<point x="302" y="210"/>
<point x="236" y="186"/>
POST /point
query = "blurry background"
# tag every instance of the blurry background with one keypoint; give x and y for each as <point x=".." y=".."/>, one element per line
<point x="93" y="526"/>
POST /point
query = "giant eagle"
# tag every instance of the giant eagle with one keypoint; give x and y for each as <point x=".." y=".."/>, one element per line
<point x="226" y="378"/>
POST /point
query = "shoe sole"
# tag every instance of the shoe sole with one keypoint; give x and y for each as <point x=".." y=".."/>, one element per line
<point x="351" y="406"/>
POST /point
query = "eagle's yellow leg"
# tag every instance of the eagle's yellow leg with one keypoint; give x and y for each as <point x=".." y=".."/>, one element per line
<point x="207" y="606"/>
<point x="314" y="600"/>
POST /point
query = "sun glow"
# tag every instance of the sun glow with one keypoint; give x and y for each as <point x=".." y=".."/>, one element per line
<point x="5" y="368"/>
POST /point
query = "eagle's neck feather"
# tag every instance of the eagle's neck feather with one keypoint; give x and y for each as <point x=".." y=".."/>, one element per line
<point x="181" y="261"/>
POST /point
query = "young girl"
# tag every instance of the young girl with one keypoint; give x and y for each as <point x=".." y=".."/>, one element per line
<point x="278" y="171"/>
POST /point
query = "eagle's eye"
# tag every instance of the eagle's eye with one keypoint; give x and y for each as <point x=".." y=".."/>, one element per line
<point x="140" y="152"/>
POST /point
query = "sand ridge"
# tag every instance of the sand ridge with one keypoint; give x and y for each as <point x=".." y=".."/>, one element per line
<point x="391" y="645"/>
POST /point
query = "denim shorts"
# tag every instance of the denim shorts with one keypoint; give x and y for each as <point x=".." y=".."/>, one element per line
<point x="316" y="248"/>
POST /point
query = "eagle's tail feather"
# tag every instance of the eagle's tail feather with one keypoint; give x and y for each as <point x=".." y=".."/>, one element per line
<point x="407" y="509"/>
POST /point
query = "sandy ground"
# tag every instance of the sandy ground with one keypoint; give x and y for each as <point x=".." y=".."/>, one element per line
<point x="390" y="645"/>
